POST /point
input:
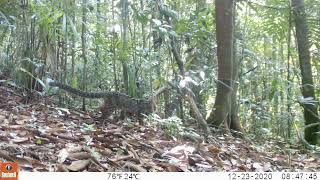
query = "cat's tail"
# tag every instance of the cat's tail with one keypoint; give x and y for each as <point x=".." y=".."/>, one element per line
<point x="79" y="92"/>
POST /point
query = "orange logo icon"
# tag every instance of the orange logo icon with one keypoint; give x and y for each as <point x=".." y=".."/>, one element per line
<point x="9" y="171"/>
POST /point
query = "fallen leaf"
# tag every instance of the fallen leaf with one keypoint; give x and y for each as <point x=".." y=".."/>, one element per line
<point x="256" y="166"/>
<point x="204" y="167"/>
<point x="214" y="149"/>
<point x="62" y="156"/>
<point x="20" y="139"/>
<point x="78" y="165"/>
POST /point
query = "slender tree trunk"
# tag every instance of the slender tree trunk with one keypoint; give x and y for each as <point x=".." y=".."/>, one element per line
<point x="73" y="44"/>
<point x="289" y="94"/>
<point x="84" y="49"/>
<point x="234" y="114"/>
<point x="310" y="110"/>
<point x="65" y="41"/>
<point x="140" y="88"/>
<point x="114" y="37"/>
<point x="167" y="104"/>
<point x="143" y="31"/>
<point x="98" y="31"/>
<point x="124" y="58"/>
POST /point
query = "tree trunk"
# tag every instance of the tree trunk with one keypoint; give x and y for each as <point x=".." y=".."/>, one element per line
<point x="84" y="49"/>
<point x="114" y="36"/>
<point x="73" y="50"/>
<point x="224" y="26"/>
<point x="143" y="31"/>
<point x="124" y="56"/>
<point x="310" y="110"/>
<point x="234" y="116"/>
<point x="97" y="37"/>
<point x="289" y="79"/>
<point x="65" y="43"/>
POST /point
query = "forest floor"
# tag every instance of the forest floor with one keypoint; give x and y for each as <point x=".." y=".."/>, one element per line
<point x="40" y="136"/>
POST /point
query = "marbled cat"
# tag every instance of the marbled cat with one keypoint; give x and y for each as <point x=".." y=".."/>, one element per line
<point x="112" y="101"/>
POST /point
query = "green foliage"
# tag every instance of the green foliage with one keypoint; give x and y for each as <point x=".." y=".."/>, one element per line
<point x="74" y="82"/>
<point x="9" y="10"/>
<point x="7" y="66"/>
<point x="313" y="14"/>
<point x="28" y="74"/>
<point x="39" y="142"/>
<point x="172" y="126"/>
<point x="268" y="81"/>
<point x="168" y="12"/>
<point x="140" y="16"/>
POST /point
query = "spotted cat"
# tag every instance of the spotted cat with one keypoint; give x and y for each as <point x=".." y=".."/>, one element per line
<point x="112" y="101"/>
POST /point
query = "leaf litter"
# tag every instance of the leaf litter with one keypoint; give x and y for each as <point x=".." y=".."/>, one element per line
<point x="42" y="137"/>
